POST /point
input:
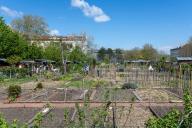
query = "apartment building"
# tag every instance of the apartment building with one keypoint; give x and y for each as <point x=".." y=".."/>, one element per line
<point x="71" y="40"/>
<point x="175" y="52"/>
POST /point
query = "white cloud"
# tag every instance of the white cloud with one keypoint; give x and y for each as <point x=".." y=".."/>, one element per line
<point x="101" y="18"/>
<point x="54" y="32"/>
<point x="10" y="12"/>
<point x="91" y="11"/>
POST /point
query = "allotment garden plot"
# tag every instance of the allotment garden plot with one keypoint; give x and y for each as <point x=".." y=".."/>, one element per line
<point x="129" y="98"/>
<point x="173" y="81"/>
<point x="55" y="94"/>
<point x="156" y="95"/>
<point x="111" y="94"/>
<point x="131" y="116"/>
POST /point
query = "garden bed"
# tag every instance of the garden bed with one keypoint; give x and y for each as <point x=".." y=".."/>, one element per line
<point x="103" y="94"/>
<point x="69" y="95"/>
<point x="155" y="95"/>
<point x="23" y="115"/>
<point x="55" y="95"/>
<point x="177" y="91"/>
<point x="55" y="118"/>
<point x="4" y="94"/>
<point x="131" y="117"/>
<point x="161" y="111"/>
<point x="30" y="95"/>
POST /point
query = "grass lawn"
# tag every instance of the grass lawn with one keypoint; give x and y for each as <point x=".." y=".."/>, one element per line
<point x="81" y="84"/>
<point x="67" y="77"/>
<point x="86" y="83"/>
<point x="15" y="81"/>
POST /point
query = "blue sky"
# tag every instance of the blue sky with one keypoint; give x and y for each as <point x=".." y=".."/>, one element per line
<point x="113" y="23"/>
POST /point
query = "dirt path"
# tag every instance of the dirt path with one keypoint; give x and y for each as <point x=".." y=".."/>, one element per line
<point x="72" y="104"/>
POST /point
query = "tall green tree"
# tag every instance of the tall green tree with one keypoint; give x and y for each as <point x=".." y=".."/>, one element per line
<point x="34" y="52"/>
<point x="110" y="53"/>
<point x="118" y="54"/>
<point x="148" y="52"/>
<point x="11" y="43"/>
<point x="53" y="53"/>
<point x="161" y="64"/>
<point x="77" y="55"/>
<point x="133" y="54"/>
<point x="101" y="53"/>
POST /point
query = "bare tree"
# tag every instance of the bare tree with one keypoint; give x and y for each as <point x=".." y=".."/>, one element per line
<point x="30" y="26"/>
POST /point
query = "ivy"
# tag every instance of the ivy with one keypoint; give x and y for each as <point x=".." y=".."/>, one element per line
<point x="38" y="120"/>
<point x="175" y="119"/>
<point x="14" y="124"/>
<point x="3" y="123"/>
<point x="171" y="120"/>
<point x="187" y="117"/>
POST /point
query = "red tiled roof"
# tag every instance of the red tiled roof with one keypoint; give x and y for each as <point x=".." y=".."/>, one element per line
<point x="63" y="38"/>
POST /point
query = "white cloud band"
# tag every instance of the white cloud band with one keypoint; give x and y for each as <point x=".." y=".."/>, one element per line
<point x="91" y="11"/>
<point x="10" y="12"/>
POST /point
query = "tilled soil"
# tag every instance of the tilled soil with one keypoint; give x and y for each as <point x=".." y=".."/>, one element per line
<point x="131" y="117"/>
<point x="54" y="95"/>
<point x="67" y="95"/>
<point x="177" y="91"/>
<point x="161" y="111"/>
<point x="23" y="115"/>
<point x="155" y="95"/>
<point x="114" y="95"/>
<point x="55" y="118"/>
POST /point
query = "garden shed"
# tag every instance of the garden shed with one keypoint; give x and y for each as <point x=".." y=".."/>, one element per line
<point x="181" y="60"/>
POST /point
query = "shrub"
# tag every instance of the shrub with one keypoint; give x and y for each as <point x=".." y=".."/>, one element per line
<point x="175" y="118"/>
<point x="49" y="74"/>
<point x="14" y="91"/>
<point x="38" y="120"/>
<point x="3" y="122"/>
<point x="12" y="99"/>
<point x="22" y="72"/>
<point x="171" y="120"/>
<point x="39" y="86"/>
<point x="129" y="86"/>
<point x="1" y="79"/>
